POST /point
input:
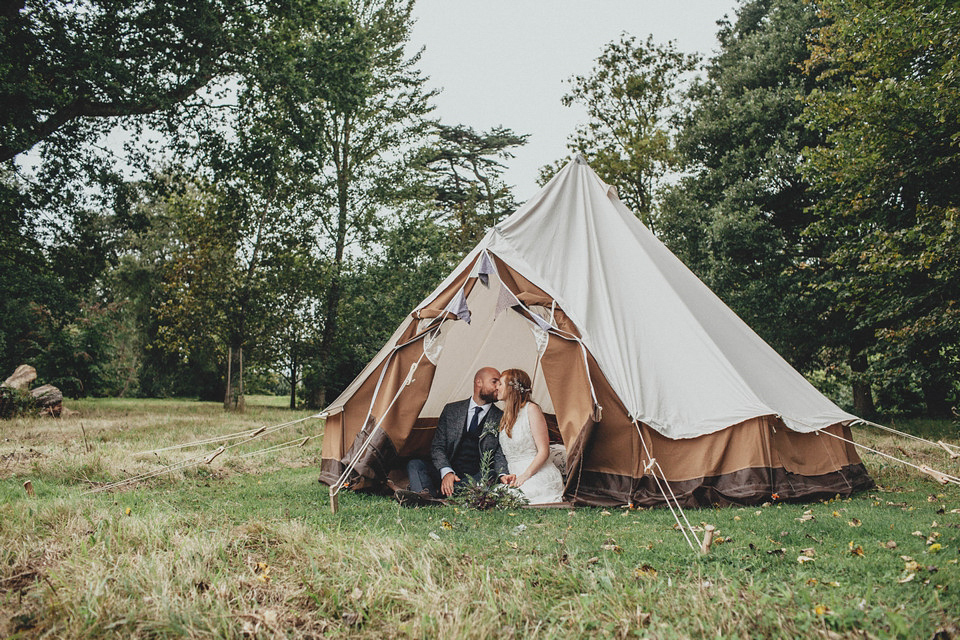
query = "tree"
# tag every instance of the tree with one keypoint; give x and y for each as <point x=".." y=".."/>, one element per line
<point x="72" y="69"/>
<point x="630" y="97"/>
<point x="886" y="172"/>
<point x="460" y="172"/>
<point x="737" y="215"/>
<point x="364" y="140"/>
<point x="75" y="71"/>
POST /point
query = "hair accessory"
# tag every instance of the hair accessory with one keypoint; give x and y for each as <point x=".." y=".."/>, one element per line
<point x="516" y="385"/>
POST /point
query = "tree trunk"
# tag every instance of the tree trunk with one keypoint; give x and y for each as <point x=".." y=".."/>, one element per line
<point x="293" y="383"/>
<point x="334" y="292"/>
<point x="241" y="403"/>
<point x="228" y="394"/>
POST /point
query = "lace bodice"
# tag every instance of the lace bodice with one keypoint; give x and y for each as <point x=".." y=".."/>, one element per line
<point x="521" y="445"/>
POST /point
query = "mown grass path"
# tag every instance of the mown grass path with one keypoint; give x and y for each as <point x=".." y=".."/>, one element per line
<point x="248" y="547"/>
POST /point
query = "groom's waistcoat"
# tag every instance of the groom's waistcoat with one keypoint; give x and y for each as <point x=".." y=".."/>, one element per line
<point x="466" y="459"/>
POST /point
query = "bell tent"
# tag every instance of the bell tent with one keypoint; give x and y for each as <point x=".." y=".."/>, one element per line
<point x="644" y="374"/>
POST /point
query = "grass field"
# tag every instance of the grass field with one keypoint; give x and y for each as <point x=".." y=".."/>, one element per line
<point x="247" y="547"/>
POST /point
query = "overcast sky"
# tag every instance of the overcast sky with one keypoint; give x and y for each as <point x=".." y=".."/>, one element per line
<point x="505" y="62"/>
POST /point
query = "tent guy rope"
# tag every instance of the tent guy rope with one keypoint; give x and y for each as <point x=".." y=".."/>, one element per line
<point x="652" y="462"/>
<point x="336" y="487"/>
<point x="205" y="458"/>
<point x="940" y="476"/>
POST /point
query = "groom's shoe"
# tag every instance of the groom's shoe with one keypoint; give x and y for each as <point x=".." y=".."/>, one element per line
<point x="409" y="498"/>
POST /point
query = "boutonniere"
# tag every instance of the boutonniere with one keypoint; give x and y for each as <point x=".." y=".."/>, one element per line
<point x="490" y="427"/>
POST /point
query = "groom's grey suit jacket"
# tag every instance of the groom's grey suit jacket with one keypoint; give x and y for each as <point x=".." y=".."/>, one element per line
<point x="450" y="430"/>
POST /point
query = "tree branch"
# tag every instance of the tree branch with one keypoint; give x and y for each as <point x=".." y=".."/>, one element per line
<point x="82" y="108"/>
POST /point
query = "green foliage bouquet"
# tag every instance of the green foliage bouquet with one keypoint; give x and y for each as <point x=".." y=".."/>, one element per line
<point x="485" y="492"/>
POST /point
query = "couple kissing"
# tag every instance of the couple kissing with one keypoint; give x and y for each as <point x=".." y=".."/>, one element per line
<point x="516" y="437"/>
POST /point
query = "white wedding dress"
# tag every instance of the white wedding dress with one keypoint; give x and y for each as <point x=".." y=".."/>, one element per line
<point x="546" y="485"/>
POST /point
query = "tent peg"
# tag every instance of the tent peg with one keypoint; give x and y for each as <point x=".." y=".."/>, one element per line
<point x="707" y="538"/>
<point x="953" y="454"/>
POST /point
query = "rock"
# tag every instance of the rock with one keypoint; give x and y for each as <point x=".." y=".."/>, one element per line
<point x="49" y="400"/>
<point x="21" y="378"/>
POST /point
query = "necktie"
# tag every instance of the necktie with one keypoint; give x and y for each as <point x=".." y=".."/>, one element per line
<point x="475" y="421"/>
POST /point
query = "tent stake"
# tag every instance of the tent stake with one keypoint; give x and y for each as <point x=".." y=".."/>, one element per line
<point x="334" y="501"/>
<point x="707" y="538"/>
<point x="952" y="453"/>
<point x="936" y="475"/>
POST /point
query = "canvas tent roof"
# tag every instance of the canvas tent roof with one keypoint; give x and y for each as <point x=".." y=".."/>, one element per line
<point x="677" y="357"/>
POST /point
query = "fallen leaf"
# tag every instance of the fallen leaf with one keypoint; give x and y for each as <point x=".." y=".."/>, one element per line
<point x="911" y="565"/>
<point x="645" y="571"/>
<point x="934" y="548"/>
<point x="736" y="517"/>
<point x="804" y="559"/>
<point x="612" y="547"/>
<point x="821" y="610"/>
<point x="433" y="535"/>
<point x="855" y="523"/>
<point x="907" y="578"/>
<point x="917" y="533"/>
<point x="812" y="582"/>
<point x="833" y="583"/>
<point x="836" y="514"/>
<point x="127" y="511"/>
<point x="446" y="525"/>
<point x="593" y="560"/>
<point x="856" y="550"/>
<point x="811" y="552"/>
<point x="805" y="517"/>
<point x="357" y="593"/>
<point x="891" y="544"/>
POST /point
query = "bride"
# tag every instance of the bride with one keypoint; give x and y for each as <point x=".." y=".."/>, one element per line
<point x="524" y="441"/>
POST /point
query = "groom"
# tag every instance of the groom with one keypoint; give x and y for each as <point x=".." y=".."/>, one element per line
<point x="465" y="431"/>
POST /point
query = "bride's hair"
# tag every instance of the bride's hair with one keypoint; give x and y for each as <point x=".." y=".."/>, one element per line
<point x="518" y="388"/>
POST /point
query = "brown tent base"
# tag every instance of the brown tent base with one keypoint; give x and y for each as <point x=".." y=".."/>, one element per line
<point x="740" y="488"/>
<point x="744" y="487"/>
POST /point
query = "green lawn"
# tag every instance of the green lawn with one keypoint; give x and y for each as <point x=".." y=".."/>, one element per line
<point x="248" y="547"/>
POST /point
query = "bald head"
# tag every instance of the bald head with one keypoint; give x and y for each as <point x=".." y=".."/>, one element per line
<point x="485" y="384"/>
